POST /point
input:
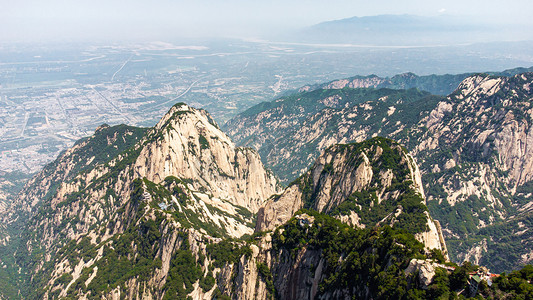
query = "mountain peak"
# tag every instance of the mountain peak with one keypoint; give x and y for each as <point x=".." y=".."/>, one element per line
<point x="188" y="144"/>
<point x="101" y="127"/>
<point x="375" y="182"/>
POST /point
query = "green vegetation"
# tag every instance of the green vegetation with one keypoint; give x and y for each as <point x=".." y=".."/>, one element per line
<point x="507" y="241"/>
<point x="266" y="275"/>
<point x="13" y="182"/>
<point x="516" y="285"/>
<point x="207" y="283"/>
<point x="309" y="101"/>
<point x="184" y="272"/>
<point x="117" y="265"/>
<point x="384" y="155"/>
<point x="374" y="260"/>
<point x="227" y="251"/>
<point x="356" y="259"/>
<point x="204" y="144"/>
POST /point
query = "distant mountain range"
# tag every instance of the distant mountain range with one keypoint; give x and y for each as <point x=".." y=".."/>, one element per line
<point x="435" y="84"/>
<point x="407" y="30"/>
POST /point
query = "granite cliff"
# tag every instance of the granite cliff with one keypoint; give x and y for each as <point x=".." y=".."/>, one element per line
<point x="364" y="185"/>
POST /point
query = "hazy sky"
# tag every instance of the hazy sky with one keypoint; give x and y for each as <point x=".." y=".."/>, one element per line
<point x="23" y="20"/>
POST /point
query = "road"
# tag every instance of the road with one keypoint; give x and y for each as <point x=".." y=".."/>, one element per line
<point x="128" y="120"/>
<point x="179" y="96"/>
<point x="121" y="67"/>
<point x="26" y="118"/>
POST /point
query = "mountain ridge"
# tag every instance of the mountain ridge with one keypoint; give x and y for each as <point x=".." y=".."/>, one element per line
<point x="442" y="84"/>
<point x="160" y="220"/>
<point x="465" y="143"/>
<point x="406" y="30"/>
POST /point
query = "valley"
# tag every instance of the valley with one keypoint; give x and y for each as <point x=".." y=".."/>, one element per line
<point x="53" y="95"/>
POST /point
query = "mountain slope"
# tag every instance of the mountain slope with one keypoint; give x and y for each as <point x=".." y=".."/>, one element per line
<point x="471" y="145"/>
<point x="184" y="175"/>
<point x="106" y="143"/>
<point x="290" y="132"/>
<point x="367" y="184"/>
<point x="483" y="166"/>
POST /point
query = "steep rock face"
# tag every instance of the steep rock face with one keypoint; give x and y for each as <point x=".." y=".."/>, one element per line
<point x="473" y="147"/>
<point x="280" y="209"/>
<point x="191" y="146"/>
<point x="364" y="184"/>
<point x="184" y="176"/>
<point x="488" y="118"/>
<point x="299" y="281"/>
<point x="425" y="270"/>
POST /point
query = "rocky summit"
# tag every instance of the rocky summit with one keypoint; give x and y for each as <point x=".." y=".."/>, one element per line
<point x="364" y="185"/>
<point x="183" y="173"/>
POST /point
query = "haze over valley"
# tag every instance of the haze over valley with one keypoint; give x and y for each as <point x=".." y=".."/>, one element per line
<point x="54" y="95"/>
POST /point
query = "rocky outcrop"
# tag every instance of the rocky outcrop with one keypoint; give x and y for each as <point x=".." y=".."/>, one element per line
<point x="279" y="209"/>
<point x="433" y="238"/>
<point x="349" y="182"/>
<point x="189" y="145"/>
<point x="364" y="82"/>
<point x="425" y="270"/>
